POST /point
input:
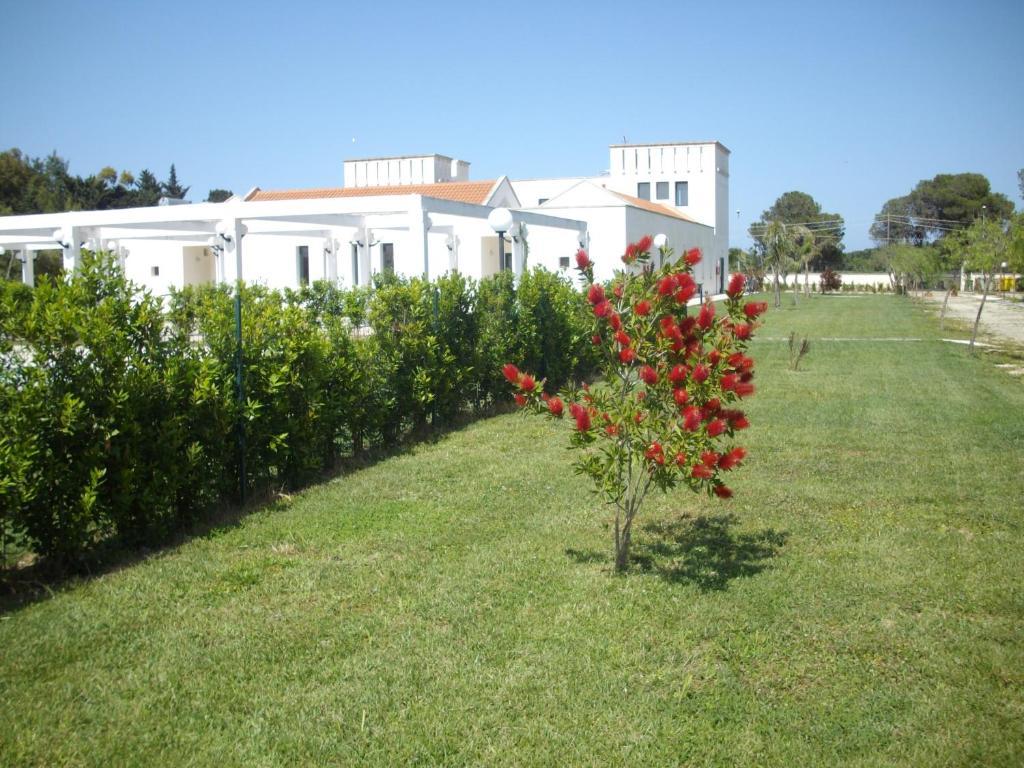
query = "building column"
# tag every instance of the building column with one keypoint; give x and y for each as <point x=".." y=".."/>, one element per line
<point x="72" y="249"/>
<point x="28" y="267"/>
<point x="419" y="226"/>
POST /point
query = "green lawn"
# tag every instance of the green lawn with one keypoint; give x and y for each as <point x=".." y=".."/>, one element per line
<point x="860" y="601"/>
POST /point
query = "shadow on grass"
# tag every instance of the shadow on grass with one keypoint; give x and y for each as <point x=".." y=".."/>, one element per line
<point x="704" y="550"/>
<point x="38" y="579"/>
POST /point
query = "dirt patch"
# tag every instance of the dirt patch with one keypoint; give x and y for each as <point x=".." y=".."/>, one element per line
<point x="1001" y="319"/>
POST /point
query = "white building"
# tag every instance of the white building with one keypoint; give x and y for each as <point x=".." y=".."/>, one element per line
<point x="414" y="215"/>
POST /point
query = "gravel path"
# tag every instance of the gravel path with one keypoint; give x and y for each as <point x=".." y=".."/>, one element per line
<point x="1002" y="318"/>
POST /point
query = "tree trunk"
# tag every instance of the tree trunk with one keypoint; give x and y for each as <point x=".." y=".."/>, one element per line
<point x="977" y="318"/>
<point x="807" y="278"/>
<point x="622" y="546"/>
<point x="778" y="290"/>
<point x="945" y="303"/>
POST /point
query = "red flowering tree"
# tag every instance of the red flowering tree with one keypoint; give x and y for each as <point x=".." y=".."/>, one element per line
<point x="665" y="410"/>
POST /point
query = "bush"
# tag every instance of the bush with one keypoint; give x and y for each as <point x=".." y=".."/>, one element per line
<point x="831" y="281"/>
<point x="119" y="418"/>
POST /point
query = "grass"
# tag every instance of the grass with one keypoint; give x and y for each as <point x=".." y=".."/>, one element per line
<point x="859" y="603"/>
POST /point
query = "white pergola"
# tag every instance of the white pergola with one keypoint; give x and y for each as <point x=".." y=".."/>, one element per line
<point x="223" y="226"/>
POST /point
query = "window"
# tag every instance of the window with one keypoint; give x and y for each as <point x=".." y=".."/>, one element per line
<point x="563" y="262"/>
<point x="387" y="257"/>
<point x="662" y="190"/>
<point x="542" y="200"/>
<point x="643" y="190"/>
<point x="355" y="264"/>
<point x="154" y="271"/>
<point x="506" y="257"/>
<point x="302" y="264"/>
<point x="682" y="193"/>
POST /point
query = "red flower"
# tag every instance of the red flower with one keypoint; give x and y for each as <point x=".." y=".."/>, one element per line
<point x="666" y="285"/>
<point x="602" y="309"/>
<point x="520" y="399"/>
<point x="754" y="308"/>
<point x="622" y="338"/>
<point x="680" y="396"/>
<point x="595" y="294"/>
<point x="736" y="283"/>
<point x="641" y="395"/>
<point x="527" y="383"/>
<point x="582" y="260"/>
<point x="555" y="406"/>
<point x="743" y="331"/>
<point x="615" y="321"/>
<point x="691" y="418"/>
<point x="739" y="422"/>
<point x="511" y="373"/>
<point x="611" y="430"/>
<point x="631" y="254"/>
<point x="744" y="389"/>
<point x="596" y="338"/>
<point x="700" y="373"/>
<point x="627" y="355"/>
<point x="732" y="458"/>
<point x="643" y="308"/>
<point x="709" y="458"/>
<point x="729" y="381"/>
<point x="582" y="416"/>
<point x="692" y="256"/>
<point x="678" y="374"/>
<point x="685" y="293"/>
<point x="617" y="290"/>
<point x="722" y="492"/>
<point x="714" y="356"/>
<point x="706" y="316"/>
<point x="654" y="453"/>
<point x="639" y="417"/>
<point x="716" y="427"/>
<point x="713" y="406"/>
<point x="649" y="375"/>
<point x="702" y="472"/>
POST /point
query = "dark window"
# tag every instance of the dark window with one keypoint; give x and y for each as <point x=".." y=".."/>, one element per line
<point x="682" y="193"/>
<point x="563" y="262"/>
<point x="302" y="264"/>
<point x="542" y="200"/>
<point x="387" y="257"/>
<point x="154" y="271"/>
<point x="505" y="258"/>
<point x="662" y="190"/>
<point x="355" y="264"/>
<point x="643" y="190"/>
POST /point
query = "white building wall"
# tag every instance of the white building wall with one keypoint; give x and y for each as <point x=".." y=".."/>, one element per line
<point x="682" y="235"/>
<point x="396" y="171"/>
<point x="703" y="166"/>
<point x="531" y="192"/>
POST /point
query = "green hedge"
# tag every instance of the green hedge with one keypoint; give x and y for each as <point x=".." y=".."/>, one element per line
<point x="118" y="414"/>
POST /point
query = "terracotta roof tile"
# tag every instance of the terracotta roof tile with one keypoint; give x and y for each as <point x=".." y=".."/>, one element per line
<point x="475" y="192"/>
<point x="647" y="205"/>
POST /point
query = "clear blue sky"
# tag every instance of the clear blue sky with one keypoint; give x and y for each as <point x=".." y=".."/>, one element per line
<point x="853" y="104"/>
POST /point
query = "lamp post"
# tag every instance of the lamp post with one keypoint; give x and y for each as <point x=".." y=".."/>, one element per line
<point x="232" y="232"/>
<point x="500" y="220"/>
<point x="661" y="243"/>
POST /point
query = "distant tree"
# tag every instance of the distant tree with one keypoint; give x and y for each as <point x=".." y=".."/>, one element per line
<point x="864" y="260"/>
<point x="778" y="244"/>
<point x="147" y="188"/>
<point x="986" y="246"/>
<point x="938" y="206"/>
<point x="1020" y="182"/>
<point x="171" y="187"/>
<point x="218" y="195"/>
<point x="799" y="208"/>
